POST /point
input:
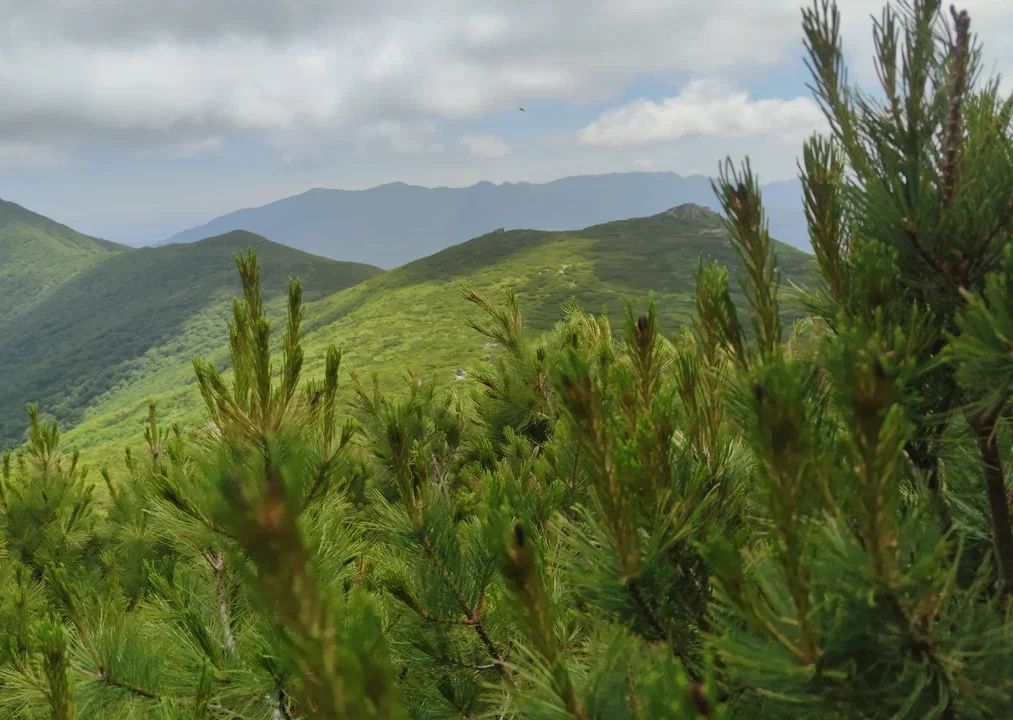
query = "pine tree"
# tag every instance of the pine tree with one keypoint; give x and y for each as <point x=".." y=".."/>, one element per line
<point x="868" y="592"/>
<point x="743" y="520"/>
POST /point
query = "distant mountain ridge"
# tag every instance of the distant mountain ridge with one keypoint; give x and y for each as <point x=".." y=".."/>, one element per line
<point x="393" y="224"/>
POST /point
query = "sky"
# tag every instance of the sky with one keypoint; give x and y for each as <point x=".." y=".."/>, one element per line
<point x="134" y="119"/>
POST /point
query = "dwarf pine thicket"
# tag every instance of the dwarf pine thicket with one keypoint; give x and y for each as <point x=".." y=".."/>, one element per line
<point x="743" y="521"/>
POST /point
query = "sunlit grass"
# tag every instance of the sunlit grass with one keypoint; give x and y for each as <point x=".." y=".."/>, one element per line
<point x="414" y="318"/>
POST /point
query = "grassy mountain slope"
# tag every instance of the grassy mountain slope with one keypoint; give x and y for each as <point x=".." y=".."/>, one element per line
<point x="37" y="255"/>
<point x="396" y="223"/>
<point x="413" y="318"/>
<point x="100" y="329"/>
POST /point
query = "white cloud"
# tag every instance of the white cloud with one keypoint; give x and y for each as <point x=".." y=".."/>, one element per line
<point x="703" y="108"/>
<point x="151" y="69"/>
<point x="484" y="146"/>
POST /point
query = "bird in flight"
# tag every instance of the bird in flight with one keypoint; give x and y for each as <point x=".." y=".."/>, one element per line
<point x="522" y="109"/>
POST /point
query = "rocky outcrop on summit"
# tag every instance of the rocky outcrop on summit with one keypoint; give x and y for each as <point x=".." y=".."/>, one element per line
<point x="691" y="211"/>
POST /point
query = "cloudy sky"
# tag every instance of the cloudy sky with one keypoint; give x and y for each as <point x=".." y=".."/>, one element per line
<point x="134" y="119"/>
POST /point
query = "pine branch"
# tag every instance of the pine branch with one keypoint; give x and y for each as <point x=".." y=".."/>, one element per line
<point x="282" y="712"/>
<point x="505" y="328"/>
<point x="957" y="90"/>
<point x="633" y="587"/>
<point x="821" y="25"/>
<point x="716" y="317"/>
<point x="524" y="580"/>
<point x="56" y="664"/>
<point x="471" y="614"/>
<point x="985" y="430"/>
<point x="739" y="194"/>
<point x="886" y="39"/>
<point x="102" y="674"/>
<point x="822" y="175"/>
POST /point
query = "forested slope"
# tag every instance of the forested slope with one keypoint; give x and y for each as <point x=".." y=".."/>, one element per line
<point x="415" y="319"/>
<point x="125" y="315"/>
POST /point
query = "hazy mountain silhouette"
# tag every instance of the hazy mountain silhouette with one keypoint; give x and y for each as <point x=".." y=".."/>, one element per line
<point x="396" y="223"/>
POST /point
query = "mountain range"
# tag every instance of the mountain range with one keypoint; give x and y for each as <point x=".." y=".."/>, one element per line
<point x="396" y="223"/>
<point x="97" y="329"/>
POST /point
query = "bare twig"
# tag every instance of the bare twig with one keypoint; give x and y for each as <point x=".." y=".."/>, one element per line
<point x="217" y="562"/>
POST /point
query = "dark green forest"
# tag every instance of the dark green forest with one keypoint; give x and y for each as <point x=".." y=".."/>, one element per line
<point x="768" y="512"/>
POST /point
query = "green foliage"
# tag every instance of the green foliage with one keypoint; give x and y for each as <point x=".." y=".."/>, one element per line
<point x="864" y="595"/>
<point x="911" y="204"/>
<point x="408" y="318"/>
<point x="268" y="563"/>
<point x="983" y="345"/>
<point x="721" y="524"/>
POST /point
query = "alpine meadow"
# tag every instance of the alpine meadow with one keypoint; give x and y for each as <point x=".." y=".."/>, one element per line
<point x="663" y="467"/>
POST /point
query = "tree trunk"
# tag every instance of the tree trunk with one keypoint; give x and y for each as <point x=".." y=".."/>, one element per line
<point x="995" y="486"/>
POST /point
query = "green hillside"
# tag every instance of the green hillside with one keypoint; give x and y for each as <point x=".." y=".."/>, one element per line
<point x="103" y="328"/>
<point x="37" y="255"/>
<point x="413" y="318"/>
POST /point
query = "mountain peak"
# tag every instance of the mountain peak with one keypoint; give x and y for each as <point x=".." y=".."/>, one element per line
<point x="12" y="212"/>
<point x="16" y="218"/>
<point x="690" y="211"/>
<point x="238" y="236"/>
